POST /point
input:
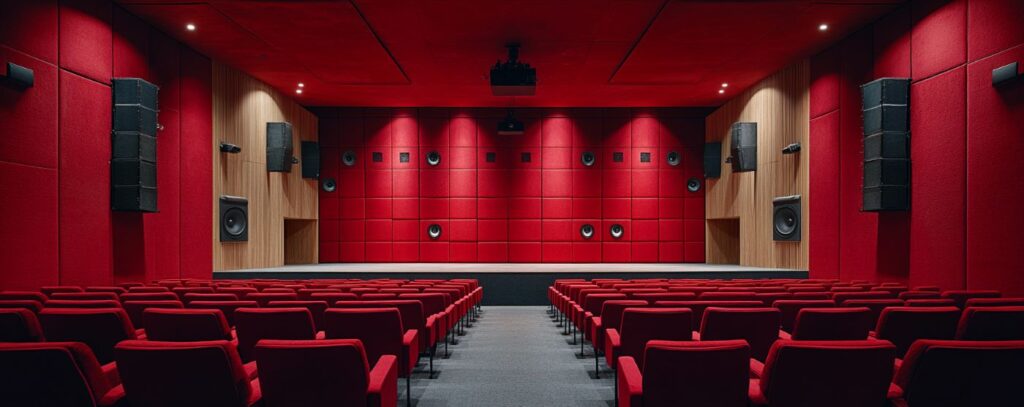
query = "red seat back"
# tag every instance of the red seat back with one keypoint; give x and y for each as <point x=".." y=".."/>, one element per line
<point x="640" y="325"/>
<point x="162" y="296"/>
<point x="226" y="307"/>
<point x="611" y="311"/>
<point x="330" y="372"/>
<point x="50" y="374"/>
<point x="82" y="304"/>
<point x="433" y="303"/>
<point x="991" y="324"/>
<point x="185" y="325"/>
<point x="831" y="324"/>
<point x="827" y="373"/>
<point x="254" y="324"/>
<point x="960" y="297"/>
<point x="758" y="326"/>
<point x="665" y="296"/>
<point x="31" y="305"/>
<point x="698" y="307"/>
<point x="99" y="328"/>
<point x="788" y="310"/>
<point x="265" y="298"/>
<point x="19" y="325"/>
<point x="594" y="302"/>
<point x="962" y="373"/>
<point x="995" y="302"/>
<point x="316" y="309"/>
<point x="168" y="374"/>
<point x="136" y="308"/>
<point x="189" y="297"/>
<point x="904" y="325"/>
<point x="380" y="329"/>
<point x="697" y="374"/>
<point x="84" y="296"/>
<point x="875" y="305"/>
<point x="23" y="295"/>
<point x="410" y="310"/>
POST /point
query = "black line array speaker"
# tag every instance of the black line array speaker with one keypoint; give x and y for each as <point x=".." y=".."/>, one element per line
<point x="133" y="159"/>
<point x="712" y="160"/>
<point x="310" y="159"/>
<point x="744" y="147"/>
<point x="279" y="147"/>
<point x="786" y="218"/>
<point x="886" y="115"/>
<point x="234" y="219"/>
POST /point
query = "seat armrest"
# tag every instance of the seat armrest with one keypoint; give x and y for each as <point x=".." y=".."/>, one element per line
<point x="321" y="335"/>
<point x="612" y="335"/>
<point x="756" y="368"/>
<point x="411" y="344"/>
<point x="410" y="337"/>
<point x="630" y="383"/>
<point x="382" y="390"/>
<point x="695" y="336"/>
<point x="784" y="335"/>
<point x="250" y="370"/>
<point x="114" y="397"/>
<point x="895" y="396"/>
<point x="110" y="372"/>
<point x="612" y="342"/>
<point x="755" y="394"/>
<point x="140" y="334"/>
<point x="896" y="364"/>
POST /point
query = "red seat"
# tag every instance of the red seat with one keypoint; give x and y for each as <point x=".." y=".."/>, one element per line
<point x="181" y="291"/>
<point x="333" y="297"/>
<point x="411" y="311"/>
<point x="189" y="297"/>
<point x="789" y="309"/>
<point x="930" y="302"/>
<point x="316" y="309"/>
<point x="50" y="290"/>
<point x="226" y="307"/>
<point x="264" y="299"/>
<point x="84" y="296"/>
<point x="254" y="324"/>
<point x="640" y="325"/>
<point x="54" y="374"/>
<point x="378" y="296"/>
<point x="991" y="324"/>
<point x="23" y="295"/>
<point x="904" y="325"/>
<point x="19" y="325"/>
<point x="995" y="302"/>
<point x="698" y="307"/>
<point x="758" y="326"/>
<point x="823" y="373"/>
<point x="306" y="294"/>
<point x="185" y="325"/>
<point x="148" y="289"/>
<point x="174" y="374"/>
<point x="862" y="295"/>
<point x="960" y="297"/>
<point x="31" y="305"/>
<point x="136" y="308"/>
<point x="875" y="305"/>
<point x="611" y="317"/>
<point x="960" y="373"/>
<point x="831" y="324"/>
<point x="680" y="373"/>
<point x="162" y="296"/>
<point x="331" y="372"/>
<point x="919" y="295"/>
<point x="382" y="333"/>
<point x="436" y="324"/>
<point x="106" y="289"/>
<point x="592" y="307"/>
<point x="728" y="296"/>
<point x="82" y="304"/>
<point x="99" y="328"/>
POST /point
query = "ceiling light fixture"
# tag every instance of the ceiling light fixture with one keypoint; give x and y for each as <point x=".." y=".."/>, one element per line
<point x="302" y="85"/>
<point x="721" y="91"/>
<point x="823" y="27"/>
<point x="725" y="85"/>
<point x="190" y="27"/>
<point x="299" y="91"/>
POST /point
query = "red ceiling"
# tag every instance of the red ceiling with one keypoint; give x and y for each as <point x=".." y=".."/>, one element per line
<point x="438" y="53"/>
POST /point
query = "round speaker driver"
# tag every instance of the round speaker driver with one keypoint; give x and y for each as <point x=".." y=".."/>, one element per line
<point x="672" y="158"/>
<point x="348" y="158"/>
<point x="616" y="231"/>
<point x="587" y="231"/>
<point x="785" y="221"/>
<point x="234" y="222"/>
<point x="588" y="159"/>
<point x="329" y="185"/>
<point x="693" y="184"/>
<point x="434" y="231"/>
<point x="433" y="158"/>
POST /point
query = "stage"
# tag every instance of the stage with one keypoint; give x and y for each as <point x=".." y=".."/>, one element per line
<point x="511" y="283"/>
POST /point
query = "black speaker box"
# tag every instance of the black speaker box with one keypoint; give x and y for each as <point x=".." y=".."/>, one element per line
<point x="886" y="171"/>
<point x="886" y="118"/>
<point x="135" y="106"/>
<point x="133" y="144"/>
<point x="133" y="198"/>
<point x="310" y="159"/>
<point x="786" y="218"/>
<point x="234" y="219"/>
<point x="887" y="145"/>
<point x="20" y="76"/>
<point x="886" y="198"/>
<point x="744" y="147"/>
<point x="712" y="160"/>
<point x="885" y="91"/>
<point x="279" y="147"/>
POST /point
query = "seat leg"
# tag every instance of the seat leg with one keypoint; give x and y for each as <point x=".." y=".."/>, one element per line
<point x="597" y="367"/>
<point x="433" y="350"/>
<point x="408" y="390"/>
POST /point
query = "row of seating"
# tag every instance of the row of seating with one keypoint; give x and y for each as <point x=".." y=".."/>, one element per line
<point x="260" y="345"/>
<point x="621" y="325"/>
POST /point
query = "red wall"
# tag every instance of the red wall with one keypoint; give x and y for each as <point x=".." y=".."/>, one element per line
<point x="964" y="226"/>
<point x="57" y="226"/>
<point x="511" y="211"/>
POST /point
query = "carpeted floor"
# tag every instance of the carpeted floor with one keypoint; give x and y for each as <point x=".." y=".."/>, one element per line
<point x="513" y="356"/>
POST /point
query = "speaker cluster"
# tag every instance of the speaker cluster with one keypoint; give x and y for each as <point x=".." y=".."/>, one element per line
<point x="279" y="147"/>
<point x="786" y="218"/>
<point x="886" y="116"/>
<point x="133" y="159"/>
<point x="743" y="137"/>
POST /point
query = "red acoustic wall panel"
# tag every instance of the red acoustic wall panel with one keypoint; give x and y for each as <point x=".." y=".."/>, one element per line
<point x="28" y="118"/>
<point x="939" y="36"/>
<point x="993" y="26"/>
<point x="31" y="27"/>
<point x="196" y="164"/>
<point x="85" y="38"/>
<point x="517" y="198"/>
<point x="28" y="241"/>
<point x="824" y="239"/>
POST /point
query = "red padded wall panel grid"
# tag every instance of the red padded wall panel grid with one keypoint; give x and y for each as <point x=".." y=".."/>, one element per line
<point x="617" y="131"/>
<point x="405" y="132"/>
<point x="643" y="252"/>
<point x="606" y="226"/>
<point x="939" y="36"/>
<point x="377" y="252"/>
<point x="939" y="155"/>
<point x="378" y="230"/>
<point x="524" y="252"/>
<point x="645" y="230"/>
<point x="355" y="131"/>
<point x="556" y="230"/>
<point x="350" y="252"/>
<point x="556" y="208"/>
<point x="378" y="183"/>
<point x="671" y="230"/>
<point x="492" y="252"/>
<point x="130" y="46"/>
<point x="524" y="183"/>
<point x="693" y="207"/>
<point x="644" y="208"/>
<point x="405" y="252"/>
<point x="434" y="183"/>
<point x="328" y="206"/>
<point x="892" y="44"/>
<point x="598" y="236"/>
<point x="557" y="183"/>
<point x="993" y="26"/>
<point x="586" y="183"/>
<point x="445" y="230"/>
<point x="825" y="79"/>
<point x="693" y="230"/>
<point x="85" y="38"/>
<point x="424" y="151"/>
<point x="28" y="241"/>
<point x="434" y="252"/>
<point x="462" y="183"/>
<point x="557" y="157"/>
<point x="492" y="230"/>
<point x="615" y="252"/>
<point x="556" y="132"/>
<point x="406" y="230"/>
<point x="351" y="183"/>
<point x="693" y="252"/>
<point x="434" y="129"/>
<point x="671" y="252"/>
<point x="434" y="208"/>
<point x="462" y="252"/>
<point x="492" y="208"/>
<point x="556" y="252"/>
<point x="31" y="27"/>
<point x="994" y="147"/>
<point x="644" y="183"/>
<point x="587" y="127"/>
<point x="644" y="132"/>
<point x="587" y="208"/>
<point x="586" y="252"/>
<point x="328" y="252"/>
<point x="492" y="183"/>
<point x="328" y="131"/>
<point x="351" y="230"/>
<point x="524" y="208"/>
<point x="463" y="208"/>
<point x="163" y="229"/>
<point x="329" y="230"/>
<point x="379" y="208"/>
<point x="673" y="208"/>
<point x="616" y="208"/>
<point x="616" y="183"/>
<point x="351" y="208"/>
<point x="524" y="230"/>
<point x="405" y="183"/>
<point x="28" y="118"/>
<point x="462" y="157"/>
<point x="824" y="240"/>
<point x="463" y="230"/>
<point x="462" y="130"/>
<point x="196" y="163"/>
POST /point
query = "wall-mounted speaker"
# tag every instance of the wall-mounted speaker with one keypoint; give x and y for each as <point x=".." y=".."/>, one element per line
<point x="20" y="76"/>
<point x="329" y="185"/>
<point x="712" y="160"/>
<point x="786" y="218"/>
<point x="616" y="231"/>
<point x="348" y="158"/>
<point x="279" y="147"/>
<point x="133" y="159"/>
<point x="234" y="219"/>
<point x="1004" y="74"/>
<point x="588" y="158"/>
<point x="693" y="184"/>
<point x="310" y="159"/>
<point x="434" y="231"/>
<point x="744" y="146"/>
<point x="672" y="158"/>
<point x="587" y="231"/>
<point x="885" y="107"/>
<point x="433" y="158"/>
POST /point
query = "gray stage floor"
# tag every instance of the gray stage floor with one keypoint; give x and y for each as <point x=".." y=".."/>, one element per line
<point x="510" y="268"/>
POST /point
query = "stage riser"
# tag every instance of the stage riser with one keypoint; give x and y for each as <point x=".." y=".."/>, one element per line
<point x="529" y="288"/>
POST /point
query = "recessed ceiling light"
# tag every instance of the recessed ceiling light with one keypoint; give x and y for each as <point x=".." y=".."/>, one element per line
<point x="725" y="85"/>
<point x="823" y="27"/>
<point x="302" y="85"/>
<point x="190" y="27"/>
<point x="721" y="91"/>
<point x="299" y="91"/>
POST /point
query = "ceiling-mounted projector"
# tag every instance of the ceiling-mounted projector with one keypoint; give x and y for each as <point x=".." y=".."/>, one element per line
<point x="510" y="126"/>
<point x="513" y="78"/>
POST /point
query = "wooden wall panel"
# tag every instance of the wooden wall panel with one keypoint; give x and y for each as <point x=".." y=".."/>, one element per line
<point x="779" y="105"/>
<point x="242" y="106"/>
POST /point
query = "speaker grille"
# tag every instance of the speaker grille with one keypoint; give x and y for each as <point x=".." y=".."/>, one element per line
<point x="886" y="126"/>
<point x="744" y="146"/>
<point x="133" y="144"/>
<point x="279" y="147"/>
<point x="310" y="159"/>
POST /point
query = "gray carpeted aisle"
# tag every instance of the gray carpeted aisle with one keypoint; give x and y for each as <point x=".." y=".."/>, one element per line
<point x="514" y="356"/>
